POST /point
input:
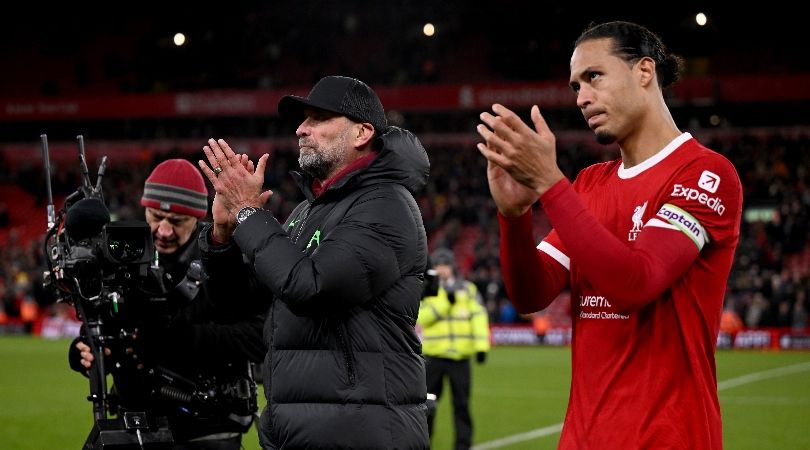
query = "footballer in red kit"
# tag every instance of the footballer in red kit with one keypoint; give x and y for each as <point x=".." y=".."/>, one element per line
<point x="638" y="348"/>
<point x="645" y="244"/>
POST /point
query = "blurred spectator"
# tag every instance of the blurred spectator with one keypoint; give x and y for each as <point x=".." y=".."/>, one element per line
<point x="783" y="314"/>
<point x="730" y="322"/>
<point x="800" y="311"/>
<point x="756" y="310"/>
<point x="541" y="324"/>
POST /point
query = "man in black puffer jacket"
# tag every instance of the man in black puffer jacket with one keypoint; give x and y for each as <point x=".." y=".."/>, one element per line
<point x="344" y="366"/>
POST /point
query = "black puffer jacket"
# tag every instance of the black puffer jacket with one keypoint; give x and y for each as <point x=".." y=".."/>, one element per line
<point x="344" y="367"/>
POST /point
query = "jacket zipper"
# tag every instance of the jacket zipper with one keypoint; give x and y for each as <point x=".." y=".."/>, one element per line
<point x="302" y="223"/>
<point x="347" y="352"/>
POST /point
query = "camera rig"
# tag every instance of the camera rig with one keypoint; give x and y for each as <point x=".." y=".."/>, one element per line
<point x="108" y="271"/>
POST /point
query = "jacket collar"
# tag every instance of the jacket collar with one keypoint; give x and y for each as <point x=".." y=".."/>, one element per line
<point x="319" y="187"/>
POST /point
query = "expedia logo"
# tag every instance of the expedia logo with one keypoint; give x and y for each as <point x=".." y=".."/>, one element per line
<point x="714" y="203"/>
<point x="709" y="181"/>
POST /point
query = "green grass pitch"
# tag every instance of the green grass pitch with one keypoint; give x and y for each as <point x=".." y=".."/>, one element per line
<point x="765" y="398"/>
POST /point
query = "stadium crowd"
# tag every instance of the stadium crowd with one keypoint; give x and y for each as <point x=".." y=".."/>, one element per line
<point x="768" y="286"/>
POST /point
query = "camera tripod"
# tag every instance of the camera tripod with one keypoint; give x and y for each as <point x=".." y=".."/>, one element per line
<point x="133" y="430"/>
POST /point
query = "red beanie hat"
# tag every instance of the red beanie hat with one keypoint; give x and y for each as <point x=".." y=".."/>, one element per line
<point x="176" y="185"/>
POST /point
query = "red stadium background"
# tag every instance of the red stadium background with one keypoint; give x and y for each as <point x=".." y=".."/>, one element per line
<point x="120" y="80"/>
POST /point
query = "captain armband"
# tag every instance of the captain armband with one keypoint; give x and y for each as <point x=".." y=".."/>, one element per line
<point x="673" y="217"/>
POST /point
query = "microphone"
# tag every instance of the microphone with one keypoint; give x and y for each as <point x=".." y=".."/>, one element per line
<point x="86" y="218"/>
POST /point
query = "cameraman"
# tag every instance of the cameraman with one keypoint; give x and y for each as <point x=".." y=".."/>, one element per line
<point x="454" y="328"/>
<point x="195" y="340"/>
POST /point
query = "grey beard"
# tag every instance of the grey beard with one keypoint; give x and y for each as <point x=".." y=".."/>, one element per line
<point x="315" y="165"/>
<point x="320" y="162"/>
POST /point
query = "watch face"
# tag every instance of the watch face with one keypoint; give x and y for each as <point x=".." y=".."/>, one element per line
<point x="244" y="213"/>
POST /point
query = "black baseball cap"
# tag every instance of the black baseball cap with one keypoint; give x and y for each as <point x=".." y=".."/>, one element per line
<point x="342" y="95"/>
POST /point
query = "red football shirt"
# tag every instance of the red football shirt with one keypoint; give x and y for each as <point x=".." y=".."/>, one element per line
<point x="646" y="252"/>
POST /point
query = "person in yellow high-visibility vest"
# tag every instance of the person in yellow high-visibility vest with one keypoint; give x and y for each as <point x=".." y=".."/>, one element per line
<point x="454" y="329"/>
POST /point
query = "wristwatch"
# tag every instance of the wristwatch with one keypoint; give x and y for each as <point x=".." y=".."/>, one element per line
<point x="244" y="213"/>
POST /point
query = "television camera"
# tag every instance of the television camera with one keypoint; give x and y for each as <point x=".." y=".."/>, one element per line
<point x="108" y="271"/>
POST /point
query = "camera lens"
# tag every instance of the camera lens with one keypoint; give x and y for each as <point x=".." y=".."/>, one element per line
<point x="124" y="250"/>
<point x="127" y="242"/>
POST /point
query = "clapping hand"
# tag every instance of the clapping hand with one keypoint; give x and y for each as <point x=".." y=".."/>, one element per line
<point x="237" y="183"/>
<point x="521" y="161"/>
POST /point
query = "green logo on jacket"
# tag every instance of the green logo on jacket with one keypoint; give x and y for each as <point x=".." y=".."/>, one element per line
<point x="316" y="237"/>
